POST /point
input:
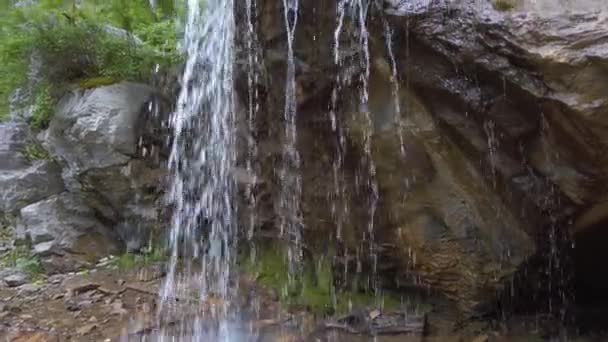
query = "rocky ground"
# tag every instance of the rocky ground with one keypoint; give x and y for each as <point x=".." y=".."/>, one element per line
<point x="117" y="301"/>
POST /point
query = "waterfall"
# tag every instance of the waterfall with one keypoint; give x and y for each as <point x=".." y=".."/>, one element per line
<point x="289" y="202"/>
<point x="203" y="155"/>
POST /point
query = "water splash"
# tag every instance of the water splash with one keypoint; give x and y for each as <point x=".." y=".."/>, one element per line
<point x="203" y="154"/>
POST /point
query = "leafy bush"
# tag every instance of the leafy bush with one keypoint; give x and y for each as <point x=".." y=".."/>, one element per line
<point x="35" y="152"/>
<point x="74" y="44"/>
<point x="44" y="104"/>
<point x="22" y="259"/>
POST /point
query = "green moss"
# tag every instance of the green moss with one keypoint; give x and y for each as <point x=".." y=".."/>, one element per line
<point x="34" y="152"/>
<point x="95" y="82"/>
<point x="314" y="289"/>
<point x="503" y="5"/>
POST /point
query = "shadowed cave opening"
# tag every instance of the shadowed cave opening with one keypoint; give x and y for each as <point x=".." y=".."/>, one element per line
<point x="591" y="279"/>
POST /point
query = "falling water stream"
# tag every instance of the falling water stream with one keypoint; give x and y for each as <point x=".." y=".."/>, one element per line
<point x="291" y="223"/>
<point x="203" y="154"/>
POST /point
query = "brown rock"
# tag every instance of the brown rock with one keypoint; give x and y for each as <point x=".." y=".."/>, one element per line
<point x="86" y="329"/>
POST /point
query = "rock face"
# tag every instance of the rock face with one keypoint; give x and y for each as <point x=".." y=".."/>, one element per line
<point x="23" y="181"/>
<point x="83" y="188"/>
<point x="63" y="223"/>
<point x="94" y="129"/>
<point x="96" y="133"/>
<point x="485" y="130"/>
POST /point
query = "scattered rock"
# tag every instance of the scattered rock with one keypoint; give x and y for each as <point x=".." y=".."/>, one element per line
<point x="82" y="288"/>
<point x="71" y="306"/>
<point x="118" y="308"/>
<point x="16" y="279"/>
<point x="29" y="289"/>
<point x="86" y="329"/>
<point x="56" y="279"/>
<point x="85" y="304"/>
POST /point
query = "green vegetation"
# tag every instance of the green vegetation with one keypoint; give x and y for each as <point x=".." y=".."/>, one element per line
<point x="22" y="259"/>
<point x="129" y="261"/>
<point x="34" y="152"/>
<point x="44" y="104"/>
<point x="314" y="289"/>
<point x="503" y="5"/>
<point x="81" y="42"/>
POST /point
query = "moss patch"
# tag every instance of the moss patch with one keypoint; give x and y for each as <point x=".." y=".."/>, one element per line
<point x="503" y="5"/>
<point x="95" y="82"/>
<point x="314" y="289"/>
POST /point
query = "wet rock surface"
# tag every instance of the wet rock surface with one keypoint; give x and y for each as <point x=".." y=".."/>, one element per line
<point x="498" y="138"/>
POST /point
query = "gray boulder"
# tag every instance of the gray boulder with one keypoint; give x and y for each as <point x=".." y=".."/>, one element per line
<point x="96" y="134"/>
<point x="62" y="223"/>
<point x="23" y="181"/>
<point x="96" y="128"/>
<point x="15" y="278"/>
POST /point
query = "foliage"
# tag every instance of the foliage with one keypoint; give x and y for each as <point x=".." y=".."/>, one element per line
<point x="162" y="37"/>
<point x="22" y="259"/>
<point x="128" y="261"/>
<point x="44" y="104"/>
<point x="73" y="41"/>
<point x="35" y="152"/>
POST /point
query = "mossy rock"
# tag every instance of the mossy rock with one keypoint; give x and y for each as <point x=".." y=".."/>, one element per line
<point x="96" y="82"/>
